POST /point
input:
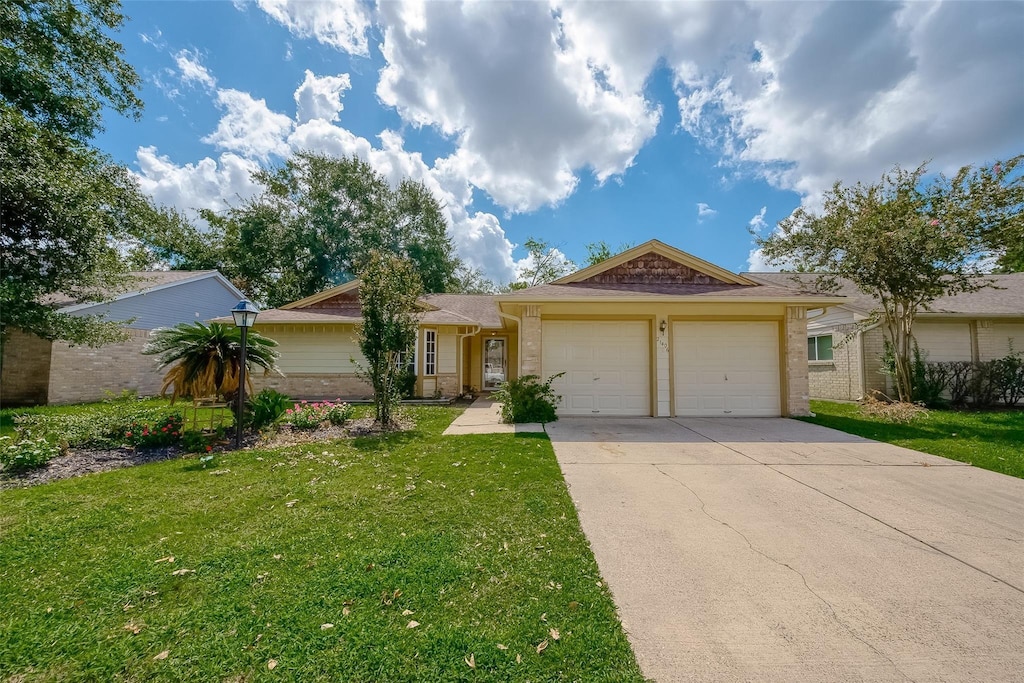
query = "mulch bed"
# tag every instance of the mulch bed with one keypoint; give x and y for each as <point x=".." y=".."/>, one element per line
<point x="77" y="462"/>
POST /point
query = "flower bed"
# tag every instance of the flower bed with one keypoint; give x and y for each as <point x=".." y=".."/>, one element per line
<point x="306" y="415"/>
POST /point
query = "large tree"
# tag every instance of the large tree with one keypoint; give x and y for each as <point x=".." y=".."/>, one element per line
<point x="906" y="240"/>
<point x="599" y="252"/>
<point x="544" y="263"/>
<point x="315" y="222"/>
<point x="388" y="292"/>
<point x="67" y="211"/>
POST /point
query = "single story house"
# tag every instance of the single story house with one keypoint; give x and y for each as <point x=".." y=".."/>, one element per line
<point x="37" y="371"/>
<point x="845" y="354"/>
<point x="652" y="331"/>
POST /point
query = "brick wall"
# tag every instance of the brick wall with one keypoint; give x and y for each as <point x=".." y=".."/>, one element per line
<point x="839" y="378"/>
<point x="81" y="373"/>
<point x="873" y="343"/>
<point x="25" y="369"/>
<point x="797" y="400"/>
<point x="531" y="340"/>
<point x="314" y="386"/>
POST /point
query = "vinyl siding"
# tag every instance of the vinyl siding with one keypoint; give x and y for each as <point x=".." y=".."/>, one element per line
<point x="1007" y="337"/>
<point x="315" y="349"/>
<point x="200" y="300"/>
<point x="944" y="341"/>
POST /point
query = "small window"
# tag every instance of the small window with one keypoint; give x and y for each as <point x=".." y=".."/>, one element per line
<point x="429" y="352"/>
<point x="406" y="360"/>
<point x="820" y="347"/>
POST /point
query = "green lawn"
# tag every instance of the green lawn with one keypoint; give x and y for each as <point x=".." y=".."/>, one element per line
<point x="992" y="440"/>
<point x="474" y="538"/>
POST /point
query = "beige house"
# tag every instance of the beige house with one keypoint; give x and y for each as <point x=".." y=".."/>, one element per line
<point x="652" y="331"/>
<point x="845" y="351"/>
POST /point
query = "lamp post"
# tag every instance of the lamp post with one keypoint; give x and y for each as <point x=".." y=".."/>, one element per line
<point x="245" y="317"/>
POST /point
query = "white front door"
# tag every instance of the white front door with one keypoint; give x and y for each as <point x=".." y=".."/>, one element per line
<point x="607" y="365"/>
<point x="726" y="369"/>
<point x="495" y="362"/>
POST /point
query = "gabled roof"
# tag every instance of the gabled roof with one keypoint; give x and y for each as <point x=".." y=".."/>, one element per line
<point x="350" y="286"/>
<point x="146" y="281"/>
<point x="1004" y="299"/>
<point x="656" y="247"/>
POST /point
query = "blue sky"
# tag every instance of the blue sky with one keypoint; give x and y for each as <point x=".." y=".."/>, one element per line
<point x="610" y="121"/>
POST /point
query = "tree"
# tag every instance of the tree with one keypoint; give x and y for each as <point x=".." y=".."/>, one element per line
<point x="205" y="360"/>
<point x="66" y="208"/>
<point x="388" y="292"/>
<point x="313" y="225"/>
<point x="600" y="251"/>
<point x="544" y="264"/>
<point x="905" y="240"/>
<point x="470" y="280"/>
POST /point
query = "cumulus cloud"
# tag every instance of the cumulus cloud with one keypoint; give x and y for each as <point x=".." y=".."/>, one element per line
<point x="342" y="24"/>
<point x="206" y="184"/>
<point x="704" y="211"/>
<point x="192" y="70"/>
<point x="249" y="127"/>
<point x="320" y="98"/>
<point x="757" y="223"/>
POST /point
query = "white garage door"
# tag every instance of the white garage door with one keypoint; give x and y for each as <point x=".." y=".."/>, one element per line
<point x="606" y="366"/>
<point x="726" y="369"/>
<point x="944" y="341"/>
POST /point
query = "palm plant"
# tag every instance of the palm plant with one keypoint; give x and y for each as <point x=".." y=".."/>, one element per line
<point x="205" y="359"/>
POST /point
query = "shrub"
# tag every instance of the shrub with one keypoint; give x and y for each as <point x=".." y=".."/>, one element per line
<point x="164" y="432"/>
<point x="312" y="415"/>
<point x="25" y="454"/>
<point x="960" y="372"/>
<point x="266" y="407"/>
<point x="407" y="382"/>
<point x="103" y="427"/>
<point x="199" y="442"/>
<point x="1008" y="376"/>
<point x="527" y="399"/>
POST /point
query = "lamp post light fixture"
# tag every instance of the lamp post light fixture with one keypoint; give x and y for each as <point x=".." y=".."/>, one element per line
<point x="244" y="314"/>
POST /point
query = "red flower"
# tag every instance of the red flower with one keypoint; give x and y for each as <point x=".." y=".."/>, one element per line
<point x="209" y="448"/>
<point x="127" y="433"/>
<point x="164" y="429"/>
<point x="174" y="433"/>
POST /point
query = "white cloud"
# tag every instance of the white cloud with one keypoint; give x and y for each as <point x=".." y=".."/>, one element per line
<point x="524" y="105"/>
<point x="320" y="98"/>
<point x="757" y="222"/>
<point x="206" y="184"/>
<point x="155" y="39"/>
<point x="342" y="24"/>
<point x="192" y="70"/>
<point x="249" y="127"/>
<point x="704" y="211"/>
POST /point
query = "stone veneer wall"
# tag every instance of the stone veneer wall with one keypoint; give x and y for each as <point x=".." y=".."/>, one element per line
<point x="839" y="378"/>
<point x="25" y="369"/>
<point x="797" y="399"/>
<point x="81" y="373"/>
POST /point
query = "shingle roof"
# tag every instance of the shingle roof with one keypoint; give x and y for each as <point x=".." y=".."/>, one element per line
<point x="1006" y="297"/>
<point x="480" y="308"/>
<point x="451" y="309"/>
<point x="144" y="280"/>
<point x="585" y="290"/>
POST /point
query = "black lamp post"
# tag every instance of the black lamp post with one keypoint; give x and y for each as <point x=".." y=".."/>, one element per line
<point x="245" y="317"/>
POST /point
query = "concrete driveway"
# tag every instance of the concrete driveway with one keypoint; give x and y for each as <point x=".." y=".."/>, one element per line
<point x="775" y="550"/>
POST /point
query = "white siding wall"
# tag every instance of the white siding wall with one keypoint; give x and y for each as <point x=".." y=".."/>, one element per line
<point x="944" y="341"/>
<point x="447" y="353"/>
<point x="325" y="349"/>
<point x="1006" y="335"/>
<point x="183" y="303"/>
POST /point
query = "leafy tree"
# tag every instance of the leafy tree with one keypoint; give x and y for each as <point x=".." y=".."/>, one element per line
<point x="470" y="280"/>
<point x="65" y="207"/>
<point x="388" y="291"/>
<point x="545" y="264"/>
<point x="600" y="251"/>
<point x="904" y="240"/>
<point x="315" y="222"/>
<point x="205" y="360"/>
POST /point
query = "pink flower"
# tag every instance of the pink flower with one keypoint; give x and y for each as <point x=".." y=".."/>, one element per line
<point x="935" y="221"/>
<point x="164" y="429"/>
<point x="127" y="433"/>
<point x="997" y="168"/>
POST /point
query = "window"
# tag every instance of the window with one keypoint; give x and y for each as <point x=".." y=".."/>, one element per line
<point x="429" y="352"/>
<point x="819" y="348"/>
<point x="406" y="360"/>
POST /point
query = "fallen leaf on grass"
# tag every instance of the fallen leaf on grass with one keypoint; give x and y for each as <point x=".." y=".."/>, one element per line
<point x="542" y="646"/>
<point x="324" y="627"/>
<point x="555" y="635"/>
<point x="169" y="558"/>
<point x="413" y="624"/>
<point x="574" y="605"/>
<point x="182" y="572"/>
<point x="519" y="659"/>
<point x="291" y="503"/>
<point x="277" y="557"/>
<point x="272" y="664"/>
<point x="406" y="612"/>
<point x="163" y="655"/>
<point x="345" y="611"/>
<point x="133" y="627"/>
<point x="471" y="661"/>
<point x="502" y="647"/>
<point x="544" y="617"/>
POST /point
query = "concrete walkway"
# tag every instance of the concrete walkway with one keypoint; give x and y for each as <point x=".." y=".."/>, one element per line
<point x="776" y="550"/>
<point x="484" y="417"/>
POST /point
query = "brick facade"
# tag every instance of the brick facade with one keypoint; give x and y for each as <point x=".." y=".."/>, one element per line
<point x="531" y="341"/>
<point x="314" y="386"/>
<point x="80" y="373"/>
<point x="840" y="378"/>
<point x="25" y="369"/>
<point x="797" y="398"/>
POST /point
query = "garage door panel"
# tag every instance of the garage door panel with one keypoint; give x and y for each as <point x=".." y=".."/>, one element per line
<point x="726" y="368"/>
<point x="607" y="366"/>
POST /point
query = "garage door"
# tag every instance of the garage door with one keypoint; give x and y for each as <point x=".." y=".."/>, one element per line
<point x="726" y="369"/>
<point x="606" y="366"/>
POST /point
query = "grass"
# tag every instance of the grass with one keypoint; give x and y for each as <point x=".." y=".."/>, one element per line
<point x="991" y="440"/>
<point x="8" y="415"/>
<point x="473" y="537"/>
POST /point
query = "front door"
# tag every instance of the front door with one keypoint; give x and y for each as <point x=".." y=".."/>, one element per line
<point x="494" y="363"/>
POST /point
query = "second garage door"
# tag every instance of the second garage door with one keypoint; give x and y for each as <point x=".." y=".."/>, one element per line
<point x="726" y="369"/>
<point x="606" y="365"/>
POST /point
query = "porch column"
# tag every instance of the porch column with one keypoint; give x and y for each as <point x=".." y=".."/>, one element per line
<point x="529" y="353"/>
<point x="798" y="400"/>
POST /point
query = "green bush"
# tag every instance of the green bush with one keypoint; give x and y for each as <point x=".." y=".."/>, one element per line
<point x="407" y="382"/>
<point x="25" y="454"/>
<point x="265" y="408"/>
<point x="100" y="427"/>
<point x="1008" y="376"/>
<point x="307" y="415"/>
<point x="339" y="413"/>
<point x="527" y="399"/>
<point x="199" y="442"/>
<point x="164" y="432"/>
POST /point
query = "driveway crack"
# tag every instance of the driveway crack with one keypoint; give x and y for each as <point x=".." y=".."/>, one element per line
<point x="818" y="596"/>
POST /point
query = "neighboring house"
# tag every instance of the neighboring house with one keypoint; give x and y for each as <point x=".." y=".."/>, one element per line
<point x="845" y="352"/>
<point x="653" y="331"/>
<point x="36" y="371"/>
